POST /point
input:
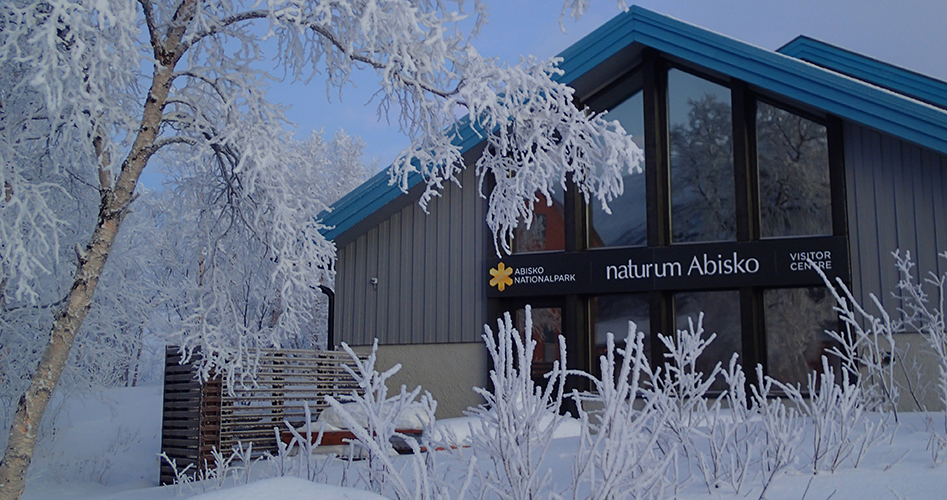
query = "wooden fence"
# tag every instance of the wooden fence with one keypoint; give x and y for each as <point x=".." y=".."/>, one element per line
<point x="199" y="418"/>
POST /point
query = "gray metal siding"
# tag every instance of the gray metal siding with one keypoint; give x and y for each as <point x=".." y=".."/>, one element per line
<point x="429" y="269"/>
<point x="896" y="198"/>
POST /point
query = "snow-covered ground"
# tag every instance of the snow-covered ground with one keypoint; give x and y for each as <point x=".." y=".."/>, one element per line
<point x="107" y="444"/>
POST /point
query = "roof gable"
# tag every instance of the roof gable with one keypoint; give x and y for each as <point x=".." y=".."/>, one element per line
<point x="795" y="79"/>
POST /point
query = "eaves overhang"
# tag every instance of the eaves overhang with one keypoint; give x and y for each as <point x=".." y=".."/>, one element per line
<point x="812" y="85"/>
<point x="870" y="70"/>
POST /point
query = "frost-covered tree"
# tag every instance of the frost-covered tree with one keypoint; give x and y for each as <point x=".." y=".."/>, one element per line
<point x="216" y="263"/>
<point x="92" y="90"/>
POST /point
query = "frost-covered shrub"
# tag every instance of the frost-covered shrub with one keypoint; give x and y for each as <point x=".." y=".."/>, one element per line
<point x="731" y="434"/>
<point x="781" y="429"/>
<point x="682" y="383"/>
<point x="925" y="312"/>
<point x="867" y="348"/>
<point x="519" y="418"/>
<point x="617" y="451"/>
<point x="373" y="418"/>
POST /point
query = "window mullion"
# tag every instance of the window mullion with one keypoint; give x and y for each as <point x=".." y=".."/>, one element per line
<point x="745" y="171"/>
<point x="656" y="149"/>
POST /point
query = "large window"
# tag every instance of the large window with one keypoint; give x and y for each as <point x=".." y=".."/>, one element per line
<point x="731" y="179"/>
<point x="546" y="329"/>
<point x="796" y="321"/>
<point x="612" y="314"/>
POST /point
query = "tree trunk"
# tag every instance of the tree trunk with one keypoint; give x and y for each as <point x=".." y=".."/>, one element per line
<point x="115" y="202"/>
<point x="32" y="405"/>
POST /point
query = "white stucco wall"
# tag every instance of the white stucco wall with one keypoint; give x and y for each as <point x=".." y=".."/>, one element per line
<point x="448" y="371"/>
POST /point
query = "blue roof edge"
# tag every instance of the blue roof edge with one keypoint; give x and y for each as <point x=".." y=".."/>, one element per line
<point x="806" y="82"/>
<point x="868" y="69"/>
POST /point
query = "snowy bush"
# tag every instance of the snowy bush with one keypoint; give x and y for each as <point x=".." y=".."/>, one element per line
<point x="684" y="385"/>
<point x="617" y="452"/>
<point x="519" y="418"/>
<point x="866" y="346"/>
<point x="925" y="312"/>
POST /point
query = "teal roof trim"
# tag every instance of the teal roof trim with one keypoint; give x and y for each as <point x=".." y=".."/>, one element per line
<point x="795" y="79"/>
<point x="882" y="74"/>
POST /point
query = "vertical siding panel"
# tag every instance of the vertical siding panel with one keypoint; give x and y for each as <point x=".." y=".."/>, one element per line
<point x="408" y="272"/>
<point x="353" y="333"/>
<point x="867" y="221"/>
<point x="394" y="280"/>
<point x="359" y="335"/>
<point x="906" y="169"/>
<point x="445" y="273"/>
<point x="853" y="167"/>
<point x="431" y="305"/>
<point x="339" y="288"/>
<point x="887" y="222"/>
<point x="469" y="273"/>
<point x="383" y="332"/>
<point x="455" y="261"/>
<point x="479" y="284"/>
<point x="343" y="288"/>
<point x="921" y="196"/>
<point x="418" y="277"/>
<point x="937" y="166"/>
<point x="371" y="292"/>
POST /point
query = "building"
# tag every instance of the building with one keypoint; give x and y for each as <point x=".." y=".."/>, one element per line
<point x="754" y="161"/>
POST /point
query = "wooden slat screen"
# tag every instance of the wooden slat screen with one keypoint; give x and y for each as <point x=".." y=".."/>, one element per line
<point x="199" y="418"/>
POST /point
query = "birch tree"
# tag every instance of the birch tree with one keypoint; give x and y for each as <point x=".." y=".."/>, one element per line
<point x="95" y="89"/>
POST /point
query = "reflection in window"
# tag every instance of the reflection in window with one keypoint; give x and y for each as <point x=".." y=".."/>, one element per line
<point x="796" y="320"/>
<point x="611" y="313"/>
<point x="627" y="225"/>
<point x="548" y="230"/>
<point x="721" y="316"/>
<point x="795" y="199"/>
<point x="702" y="185"/>
<point x="547" y="327"/>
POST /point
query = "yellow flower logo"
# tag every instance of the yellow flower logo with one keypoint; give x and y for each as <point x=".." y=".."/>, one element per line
<point x="501" y="276"/>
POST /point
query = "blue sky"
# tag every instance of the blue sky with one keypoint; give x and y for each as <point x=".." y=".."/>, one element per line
<point x="907" y="33"/>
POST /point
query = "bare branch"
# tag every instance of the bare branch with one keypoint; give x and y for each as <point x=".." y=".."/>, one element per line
<point x="328" y="35"/>
<point x="150" y="21"/>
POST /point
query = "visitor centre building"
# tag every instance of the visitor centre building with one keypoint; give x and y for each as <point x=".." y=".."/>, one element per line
<point x="759" y="166"/>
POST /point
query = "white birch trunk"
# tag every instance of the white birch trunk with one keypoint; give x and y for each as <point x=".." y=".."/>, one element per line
<point x="115" y="201"/>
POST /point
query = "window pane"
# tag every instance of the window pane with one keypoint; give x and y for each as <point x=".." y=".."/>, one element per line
<point x="548" y="230"/>
<point x="796" y="320"/>
<point x="547" y="327"/>
<point x="627" y="225"/>
<point x="795" y="199"/>
<point x="721" y="316"/>
<point x="702" y="190"/>
<point x="611" y="313"/>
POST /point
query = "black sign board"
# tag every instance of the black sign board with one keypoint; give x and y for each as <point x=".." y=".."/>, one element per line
<point x="771" y="263"/>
